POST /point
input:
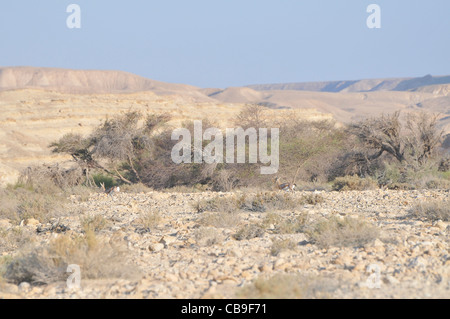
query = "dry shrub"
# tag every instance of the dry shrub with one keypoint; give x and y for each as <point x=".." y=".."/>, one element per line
<point x="345" y="232"/>
<point x="394" y="176"/>
<point x="225" y="181"/>
<point x="38" y="195"/>
<point x="248" y="232"/>
<point x="94" y="223"/>
<point x="286" y="225"/>
<point x="264" y="201"/>
<point x="197" y="188"/>
<point x="50" y="178"/>
<point x="288" y="286"/>
<point x="280" y="245"/>
<point x="81" y="193"/>
<point x="260" y="202"/>
<point x="218" y="203"/>
<point x="149" y="219"/>
<point x="312" y="199"/>
<point x="135" y="188"/>
<point x="354" y="183"/>
<point x="14" y="238"/>
<point x="207" y="236"/>
<point x="432" y="211"/>
<point x="220" y="219"/>
<point x="21" y="203"/>
<point x="47" y="264"/>
<point x="4" y="262"/>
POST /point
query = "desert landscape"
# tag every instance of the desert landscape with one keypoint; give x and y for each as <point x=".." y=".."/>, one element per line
<point x="377" y="228"/>
<point x="76" y="101"/>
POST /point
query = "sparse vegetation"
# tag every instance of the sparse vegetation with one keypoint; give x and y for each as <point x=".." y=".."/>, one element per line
<point x="288" y="286"/>
<point x="387" y="151"/>
<point x="259" y="202"/>
<point x="94" y="223"/>
<point x="248" y="232"/>
<point x="342" y="232"/>
<point x="13" y="239"/>
<point x="286" y="225"/>
<point x="280" y="245"/>
<point x="149" y="219"/>
<point x="21" y="203"/>
<point x="135" y="188"/>
<point x="366" y="156"/>
<point x="218" y="204"/>
<point x="37" y="195"/>
<point x="432" y="211"/>
<point x="354" y="183"/>
<point x="221" y="219"/>
<point x="46" y="264"/>
<point x="207" y="236"/>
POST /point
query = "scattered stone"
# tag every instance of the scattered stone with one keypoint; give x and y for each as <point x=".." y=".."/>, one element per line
<point x="412" y="260"/>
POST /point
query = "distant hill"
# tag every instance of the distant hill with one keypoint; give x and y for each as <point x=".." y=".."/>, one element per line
<point x="371" y="85"/>
<point x="88" y="82"/>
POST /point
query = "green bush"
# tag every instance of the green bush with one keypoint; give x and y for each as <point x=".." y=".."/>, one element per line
<point x="100" y="178"/>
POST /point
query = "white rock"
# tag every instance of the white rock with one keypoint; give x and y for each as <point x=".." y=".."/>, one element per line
<point x="24" y="287"/>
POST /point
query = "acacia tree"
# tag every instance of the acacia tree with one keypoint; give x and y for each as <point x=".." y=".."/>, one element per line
<point x="121" y="141"/>
<point x="80" y="150"/>
<point x="412" y="143"/>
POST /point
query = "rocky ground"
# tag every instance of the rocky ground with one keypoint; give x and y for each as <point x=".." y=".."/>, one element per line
<point x="181" y="257"/>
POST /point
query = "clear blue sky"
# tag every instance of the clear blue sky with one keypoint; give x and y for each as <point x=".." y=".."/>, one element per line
<point x="211" y="43"/>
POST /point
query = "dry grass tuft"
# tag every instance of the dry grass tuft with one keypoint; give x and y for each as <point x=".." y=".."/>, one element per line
<point x="248" y="232"/>
<point x="346" y="232"/>
<point x="288" y="286"/>
<point x="14" y="238"/>
<point x="94" y="223"/>
<point x="432" y="211"/>
<point x="135" y="188"/>
<point x="282" y="244"/>
<point x="220" y="220"/>
<point x="285" y="225"/>
<point x="354" y="183"/>
<point x="207" y="236"/>
<point x="97" y="260"/>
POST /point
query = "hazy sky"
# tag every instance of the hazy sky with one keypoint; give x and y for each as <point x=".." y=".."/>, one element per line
<point x="211" y="43"/>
